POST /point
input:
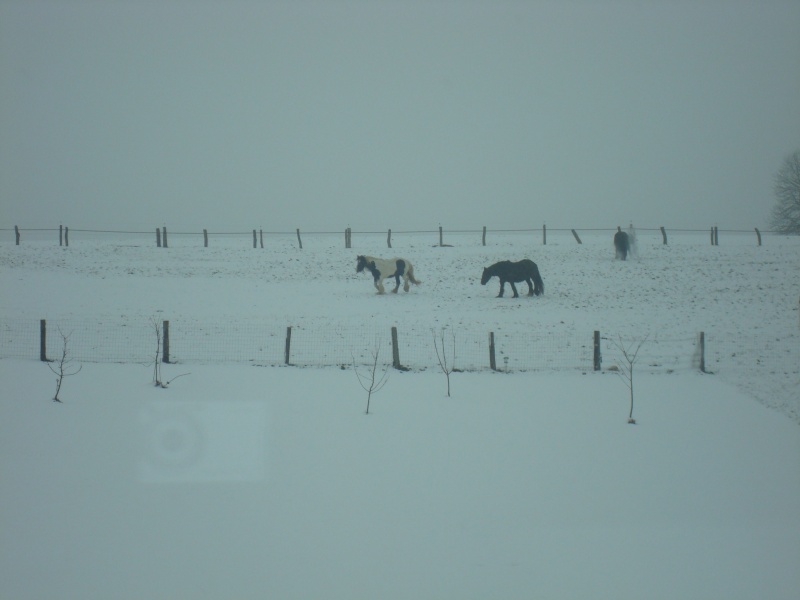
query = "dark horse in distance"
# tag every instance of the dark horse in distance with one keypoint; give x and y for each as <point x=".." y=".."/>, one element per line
<point x="515" y="272"/>
<point x="622" y="244"/>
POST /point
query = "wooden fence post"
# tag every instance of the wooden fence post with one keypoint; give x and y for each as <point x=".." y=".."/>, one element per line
<point x="66" y="236"/>
<point x="492" y="362"/>
<point x="716" y="236"/>
<point x="575" y="233"/>
<point x="664" y="235"/>
<point x="205" y="238"/>
<point x="158" y="237"/>
<point x="347" y="239"/>
<point x="43" y="340"/>
<point x="483" y="239"/>
<point x="16" y="233"/>
<point x="287" y="349"/>
<point x="441" y="243"/>
<point x="261" y="237"/>
<point x="165" y="343"/>
<point x="299" y="241"/>
<point x="395" y="351"/>
<point x="598" y="359"/>
<point x="389" y="239"/>
<point x="544" y="235"/>
<point x="758" y="235"/>
<point x="60" y="235"/>
<point x="164" y="235"/>
<point x="255" y="239"/>
<point x="702" y="351"/>
<point x="712" y="236"/>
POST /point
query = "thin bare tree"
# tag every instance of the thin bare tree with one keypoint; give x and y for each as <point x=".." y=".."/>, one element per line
<point x="372" y="380"/>
<point x="445" y="363"/>
<point x="628" y="354"/>
<point x="786" y="211"/>
<point x="64" y="366"/>
<point x="156" y="324"/>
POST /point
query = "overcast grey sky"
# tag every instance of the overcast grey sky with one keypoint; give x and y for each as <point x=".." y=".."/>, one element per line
<point x="232" y="115"/>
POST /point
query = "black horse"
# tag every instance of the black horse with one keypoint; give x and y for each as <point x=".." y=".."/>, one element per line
<point x="622" y="244"/>
<point x="514" y="272"/>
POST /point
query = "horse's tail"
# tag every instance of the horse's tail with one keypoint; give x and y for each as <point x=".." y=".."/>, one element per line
<point x="537" y="281"/>
<point x="410" y="273"/>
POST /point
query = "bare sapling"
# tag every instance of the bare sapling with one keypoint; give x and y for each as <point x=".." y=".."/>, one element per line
<point x="63" y="365"/>
<point x="156" y="324"/>
<point x="372" y="380"/>
<point x="445" y="363"/>
<point x="628" y="354"/>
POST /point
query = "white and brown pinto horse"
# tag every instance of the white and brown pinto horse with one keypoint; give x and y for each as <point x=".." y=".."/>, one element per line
<point x="387" y="268"/>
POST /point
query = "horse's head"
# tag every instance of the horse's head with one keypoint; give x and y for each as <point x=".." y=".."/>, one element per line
<point x="361" y="263"/>
<point x="485" y="277"/>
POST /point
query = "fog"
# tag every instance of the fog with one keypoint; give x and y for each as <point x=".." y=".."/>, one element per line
<point x="407" y="115"/>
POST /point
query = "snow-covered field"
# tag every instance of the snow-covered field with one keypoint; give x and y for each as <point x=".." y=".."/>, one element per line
<point x="245" y="481"/>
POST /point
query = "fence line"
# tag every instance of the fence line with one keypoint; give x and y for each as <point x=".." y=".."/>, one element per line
<point x="161" y="239"/>
<point x="408" y="348"/>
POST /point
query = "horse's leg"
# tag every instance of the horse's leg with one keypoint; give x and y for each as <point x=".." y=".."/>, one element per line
<point x="406" y="285"/>
<point x="530" y="286"/>
<point x="396" y="283"/>
<point x="502" y="288"/>
<point x="514" y="288"/>
<point x="379" y="286"/>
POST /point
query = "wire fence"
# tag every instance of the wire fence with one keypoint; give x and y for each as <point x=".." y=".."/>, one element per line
<point x="161" y="237"/>
<point x="188" y="341"/>
<point x="765" y="366"/>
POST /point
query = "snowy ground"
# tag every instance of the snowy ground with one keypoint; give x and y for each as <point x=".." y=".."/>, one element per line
<point x="252" y="482"/>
